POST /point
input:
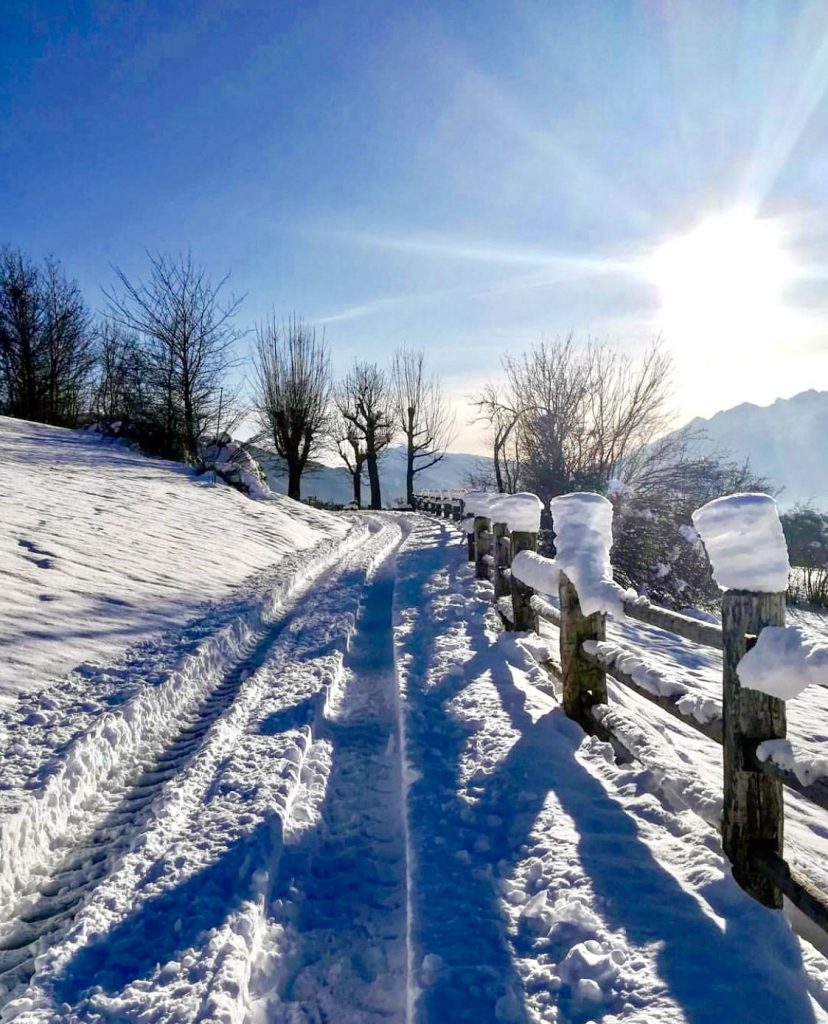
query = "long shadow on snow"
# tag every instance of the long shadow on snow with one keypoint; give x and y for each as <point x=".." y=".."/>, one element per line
<point x="456" y="918"/>
<point x="168" y="924"/>
<point x="349" y="870"/>
<point x="468" y="930"/>
<point x="698" y="960"/>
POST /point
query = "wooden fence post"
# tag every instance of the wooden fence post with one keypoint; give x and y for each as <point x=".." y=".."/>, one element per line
<point x="524" y="616"/>
<point x="753" y="812"/>
<point x="502" y="560"/>
<point x="457" y="510"/>
<point x="583" y="684"/>
<point x="446" y="507"/>
<point x="482" y="526"/>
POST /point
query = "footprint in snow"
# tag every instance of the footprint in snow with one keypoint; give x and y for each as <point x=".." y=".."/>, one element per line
<point x="44" y="562"/>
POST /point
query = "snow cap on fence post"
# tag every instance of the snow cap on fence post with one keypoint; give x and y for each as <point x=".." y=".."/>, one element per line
<point x="744" y="541"/>
<point x="583" y="538"/>
<point x="521" y="512"/>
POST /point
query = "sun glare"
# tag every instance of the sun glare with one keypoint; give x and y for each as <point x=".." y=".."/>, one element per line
<point x="724" y="281"/>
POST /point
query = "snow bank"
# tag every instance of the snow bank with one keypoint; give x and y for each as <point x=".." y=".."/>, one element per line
<point x="784" y="661"/>
<point x="91" y="764"/>
<point x="234" y="463"/>
<point x="520" y="512"/>
<point x="744" y="542"/>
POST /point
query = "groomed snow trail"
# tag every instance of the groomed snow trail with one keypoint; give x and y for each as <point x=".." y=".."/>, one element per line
<point x="155" y="901"/>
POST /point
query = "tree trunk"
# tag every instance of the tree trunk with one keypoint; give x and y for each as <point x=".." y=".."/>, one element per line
<point x="498" y="472"/>
<point x="409" y="462"/>
<point x="374" y="480"/>
<point x="294" y="481"/>
<point x="357" y="475"/>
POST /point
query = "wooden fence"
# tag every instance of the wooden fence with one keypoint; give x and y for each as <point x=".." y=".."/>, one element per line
<point x="753" y="805"/>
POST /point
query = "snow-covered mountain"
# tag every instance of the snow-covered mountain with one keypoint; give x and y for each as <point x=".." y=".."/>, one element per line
<point x="333" y="483"/>
<point x="787" y="442"/>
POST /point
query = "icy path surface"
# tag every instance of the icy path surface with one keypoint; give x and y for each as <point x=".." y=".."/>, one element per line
<point x="227" y="846"/>
<point x="548" y="883"/>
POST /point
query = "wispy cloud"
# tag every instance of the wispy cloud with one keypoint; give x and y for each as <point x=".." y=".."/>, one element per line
<point x="460" y="249"/>
<point x="564" y="271"/>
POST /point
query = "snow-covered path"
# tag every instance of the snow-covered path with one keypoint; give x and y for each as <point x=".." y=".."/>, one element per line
<point x="339" y="912"/>
<point x="347" y="796"/>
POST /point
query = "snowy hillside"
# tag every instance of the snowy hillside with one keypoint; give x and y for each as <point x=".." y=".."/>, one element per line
<point x="786" y="442"/>
<point x="333" y="483"/>
<point x="102" y="547"/>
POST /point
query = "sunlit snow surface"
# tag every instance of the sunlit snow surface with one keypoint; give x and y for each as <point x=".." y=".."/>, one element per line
<point x="244" y="811"/>
<point x="101" y="547"/>
<point x="548" y="883"/>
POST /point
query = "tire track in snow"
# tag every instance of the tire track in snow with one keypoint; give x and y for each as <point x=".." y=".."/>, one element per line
<point x="339" y="943"/>
<point x="53" y="904"/>
<point x="97" y="839"/>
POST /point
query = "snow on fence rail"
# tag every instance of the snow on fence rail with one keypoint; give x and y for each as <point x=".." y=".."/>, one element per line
<point x="747" y="549"/>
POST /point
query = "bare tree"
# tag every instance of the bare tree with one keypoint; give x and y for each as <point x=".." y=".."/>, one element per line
<point x="583" y="410"/>
<point x="350" y="444"/>
<point x="186" y="329"/>
<point x="364" y="399"/>
<point x="498" y="410"/>
<point x="47" y="344"/>
<point x="293" y="372"/>
<point x="123" y="389"/>
<point x="422" y="415"/>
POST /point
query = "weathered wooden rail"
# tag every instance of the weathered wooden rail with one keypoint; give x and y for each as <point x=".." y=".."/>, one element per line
<point x="753" y="806"/>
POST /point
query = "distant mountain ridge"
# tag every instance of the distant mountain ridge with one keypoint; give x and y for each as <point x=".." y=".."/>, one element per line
<point x="333" y="483"/>
<point x="787" y="442"/>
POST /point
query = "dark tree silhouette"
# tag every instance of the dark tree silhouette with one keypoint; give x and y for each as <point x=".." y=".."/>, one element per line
<point x="365" y="402"/>
<point x="47" y="344"/>
<point x="293" y="375"/>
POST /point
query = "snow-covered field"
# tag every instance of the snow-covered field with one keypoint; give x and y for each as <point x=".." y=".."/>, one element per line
<point x="338" y="792"/>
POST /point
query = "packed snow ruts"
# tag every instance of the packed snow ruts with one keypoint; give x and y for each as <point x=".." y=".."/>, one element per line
<point x="189" y="844"/>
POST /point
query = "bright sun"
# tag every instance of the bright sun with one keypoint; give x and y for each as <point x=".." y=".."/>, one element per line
<point x="722" y="284"/>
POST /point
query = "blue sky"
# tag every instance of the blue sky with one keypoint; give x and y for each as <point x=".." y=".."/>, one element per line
<point x="462" y="177"/>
